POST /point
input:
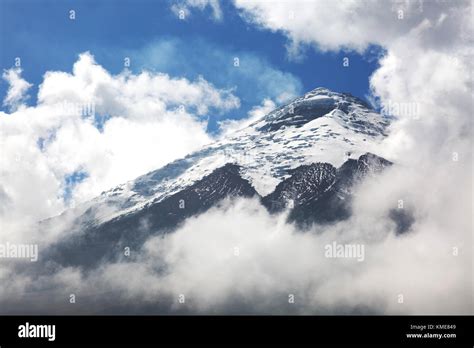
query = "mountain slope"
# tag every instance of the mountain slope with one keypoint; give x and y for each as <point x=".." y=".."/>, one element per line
<point x="321" y="126"/>
<point x="287" y="158"/>
<point x="107" y="240"/>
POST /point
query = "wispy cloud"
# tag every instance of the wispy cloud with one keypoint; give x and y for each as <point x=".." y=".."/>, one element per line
<point x="182" y="8"/>
<point x="251" y="77"/>
<point x="16" y="94"/>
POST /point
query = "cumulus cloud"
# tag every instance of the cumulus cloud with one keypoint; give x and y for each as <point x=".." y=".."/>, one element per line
<point x="335" y="25"/>
<point x="16" y="94"/>
<point x="100" y="128"/>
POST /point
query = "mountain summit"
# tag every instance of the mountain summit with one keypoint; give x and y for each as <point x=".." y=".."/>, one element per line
<point x="305" y="155"/>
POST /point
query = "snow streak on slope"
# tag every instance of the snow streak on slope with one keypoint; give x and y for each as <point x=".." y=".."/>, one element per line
<point x="321" y="126"/>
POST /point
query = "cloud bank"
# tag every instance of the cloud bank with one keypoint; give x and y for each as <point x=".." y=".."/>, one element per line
<point x="262" y="265"/>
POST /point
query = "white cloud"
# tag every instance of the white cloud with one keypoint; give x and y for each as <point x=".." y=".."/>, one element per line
<point x="92" y="83"/>
<point x="346" y="24"/>
<point x="274" y="259"/>
<point x="16" y="94"/>
<point x="112" y="127"/>
<point x="253" y="266"/>
<point x="183" y="8"/>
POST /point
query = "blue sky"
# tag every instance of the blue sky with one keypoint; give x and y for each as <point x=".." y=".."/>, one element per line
<point x="148" y="32"/>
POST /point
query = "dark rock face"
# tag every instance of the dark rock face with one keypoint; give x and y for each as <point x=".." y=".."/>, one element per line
<point x="320" y="193"/>
<point x="300" y="114"/>
<point x="306" y="183"/>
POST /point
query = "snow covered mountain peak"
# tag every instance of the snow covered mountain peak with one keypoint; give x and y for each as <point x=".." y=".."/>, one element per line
<point x="343" y="107"/>
<point x="321" y="126"/>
